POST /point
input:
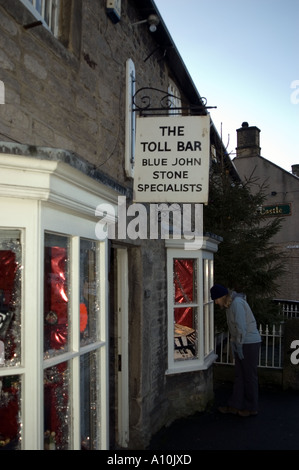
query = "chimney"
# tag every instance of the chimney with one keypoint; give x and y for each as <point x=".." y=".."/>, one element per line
<point x="248" y="141"/>
<point x="295" y="170"/>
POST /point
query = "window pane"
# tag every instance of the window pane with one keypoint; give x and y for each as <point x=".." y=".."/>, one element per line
<point x="88" y="291"/>
<point x="185" y="345"/>
<point x="46" y="11"/>
<point x="185" y="316"/>
<point x="208" y="320"/>
<point x="47" y="14"/>
<point x="89" y="387"/>
<point x="185" y="289"/>
<point x="10" y="297"/>
<point x="53" y="15"/>
<point x="56" y="295"/>
<point x="57" y="407"/>
<point x="38" y="6"/>
<point x="10" y="411"/>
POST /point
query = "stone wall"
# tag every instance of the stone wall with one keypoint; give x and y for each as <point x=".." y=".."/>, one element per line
<point x="59" y="98"/>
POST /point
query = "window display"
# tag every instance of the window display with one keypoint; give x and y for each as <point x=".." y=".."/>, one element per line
<point x="89" y="390"/>
<point x="10" y="298"/>
<point x="53" y="309"/>
<point x="10" y="336"/>
<point x="56" y="286"/>
<point x="59" y="313"/>
<point x="56" y="407"/>
<point x="185" y="293"/>
<point x="10" y="412"/>
<point x="88" y="291"/>
<point x="190" y="309"/>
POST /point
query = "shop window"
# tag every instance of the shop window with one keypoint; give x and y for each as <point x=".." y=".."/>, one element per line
<point x="57" y="409"/>
<point x="10" y="412"/>
<point x="53" y="310"/>
<point x="73" y="343"/>
<point x="89" y="333"/>
<point x="208" y="304"/>
<point x="59" y="339"/>
<point x="10" y="297"/>
<point x="56" y="296"/>
<point x="89" y="403"/>
<point x="185" y="316"/>
<point x="10" y="338"/>
<point x="89" y="305"/>
<point x="190" y="310"/>
<point x="46" y="11"/>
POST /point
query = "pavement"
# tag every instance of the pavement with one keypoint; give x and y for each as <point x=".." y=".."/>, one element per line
<point x="276" y="427"/>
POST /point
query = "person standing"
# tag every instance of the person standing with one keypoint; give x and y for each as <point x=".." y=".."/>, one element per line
<point x="245" y="344"/>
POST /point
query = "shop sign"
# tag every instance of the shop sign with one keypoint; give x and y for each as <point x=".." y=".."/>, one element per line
<point x="172" y="159"/>
<point x="277" y="209"/>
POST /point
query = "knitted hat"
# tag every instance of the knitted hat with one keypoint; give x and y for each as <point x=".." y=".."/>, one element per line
<point x="218" y="291"/>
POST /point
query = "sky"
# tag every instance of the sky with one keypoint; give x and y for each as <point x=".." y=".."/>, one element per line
<point x="243" y="57"/>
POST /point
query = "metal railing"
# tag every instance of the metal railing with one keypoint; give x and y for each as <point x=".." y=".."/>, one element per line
<point x="271" y="352"/>
<point x="271" y="348"/>
<point x="288" y="308"/>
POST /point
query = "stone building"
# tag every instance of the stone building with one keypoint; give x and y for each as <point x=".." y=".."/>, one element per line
<point x="90" y="357"/>
<point x="282" y="199"/>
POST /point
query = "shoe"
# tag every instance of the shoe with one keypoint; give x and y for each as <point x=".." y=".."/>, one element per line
<point x="228" y="409"/>
<point x="246" y="413"/>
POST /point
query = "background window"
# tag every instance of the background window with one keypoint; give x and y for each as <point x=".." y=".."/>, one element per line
<point x="46" y="11"/>
<point x="176" y="101"/>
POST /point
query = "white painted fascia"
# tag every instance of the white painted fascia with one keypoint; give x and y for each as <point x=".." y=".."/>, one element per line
<point x="53" y="181"/>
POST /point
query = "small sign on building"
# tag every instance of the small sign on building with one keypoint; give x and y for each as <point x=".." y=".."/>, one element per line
<point x="277" y="210"/>
<point x="172" y="159"/>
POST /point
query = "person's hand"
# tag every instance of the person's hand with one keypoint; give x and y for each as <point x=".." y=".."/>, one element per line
<point x="237" y="348"/>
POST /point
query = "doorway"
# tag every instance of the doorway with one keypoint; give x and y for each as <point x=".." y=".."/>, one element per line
<point x="119" y="350"/>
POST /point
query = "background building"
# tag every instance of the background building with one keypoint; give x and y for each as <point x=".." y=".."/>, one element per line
<point x="282" y="199"/>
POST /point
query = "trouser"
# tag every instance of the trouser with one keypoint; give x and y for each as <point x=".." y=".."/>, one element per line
<point x="245" y="389"/>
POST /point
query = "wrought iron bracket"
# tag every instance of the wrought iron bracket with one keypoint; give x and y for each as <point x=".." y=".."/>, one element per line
<point x="147" y="102"/>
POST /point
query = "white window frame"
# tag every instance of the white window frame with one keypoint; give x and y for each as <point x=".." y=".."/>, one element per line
<point x="176" y="100"/>
<point x="41" y="16"/>
<point x="75" y="350"/>
<point x="2" y="92"/>
<point x="205" y="318"/>
<point x="130" y="119"/>
<point x="38" y="196"/>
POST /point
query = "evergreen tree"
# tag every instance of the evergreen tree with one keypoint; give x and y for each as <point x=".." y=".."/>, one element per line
<point x="247" y="260"/>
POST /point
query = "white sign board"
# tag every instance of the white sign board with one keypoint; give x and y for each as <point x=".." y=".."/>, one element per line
<point x="172" y="159"/>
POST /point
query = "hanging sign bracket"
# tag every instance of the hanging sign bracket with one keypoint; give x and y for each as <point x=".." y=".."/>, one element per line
<point x="147" y="102"/>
